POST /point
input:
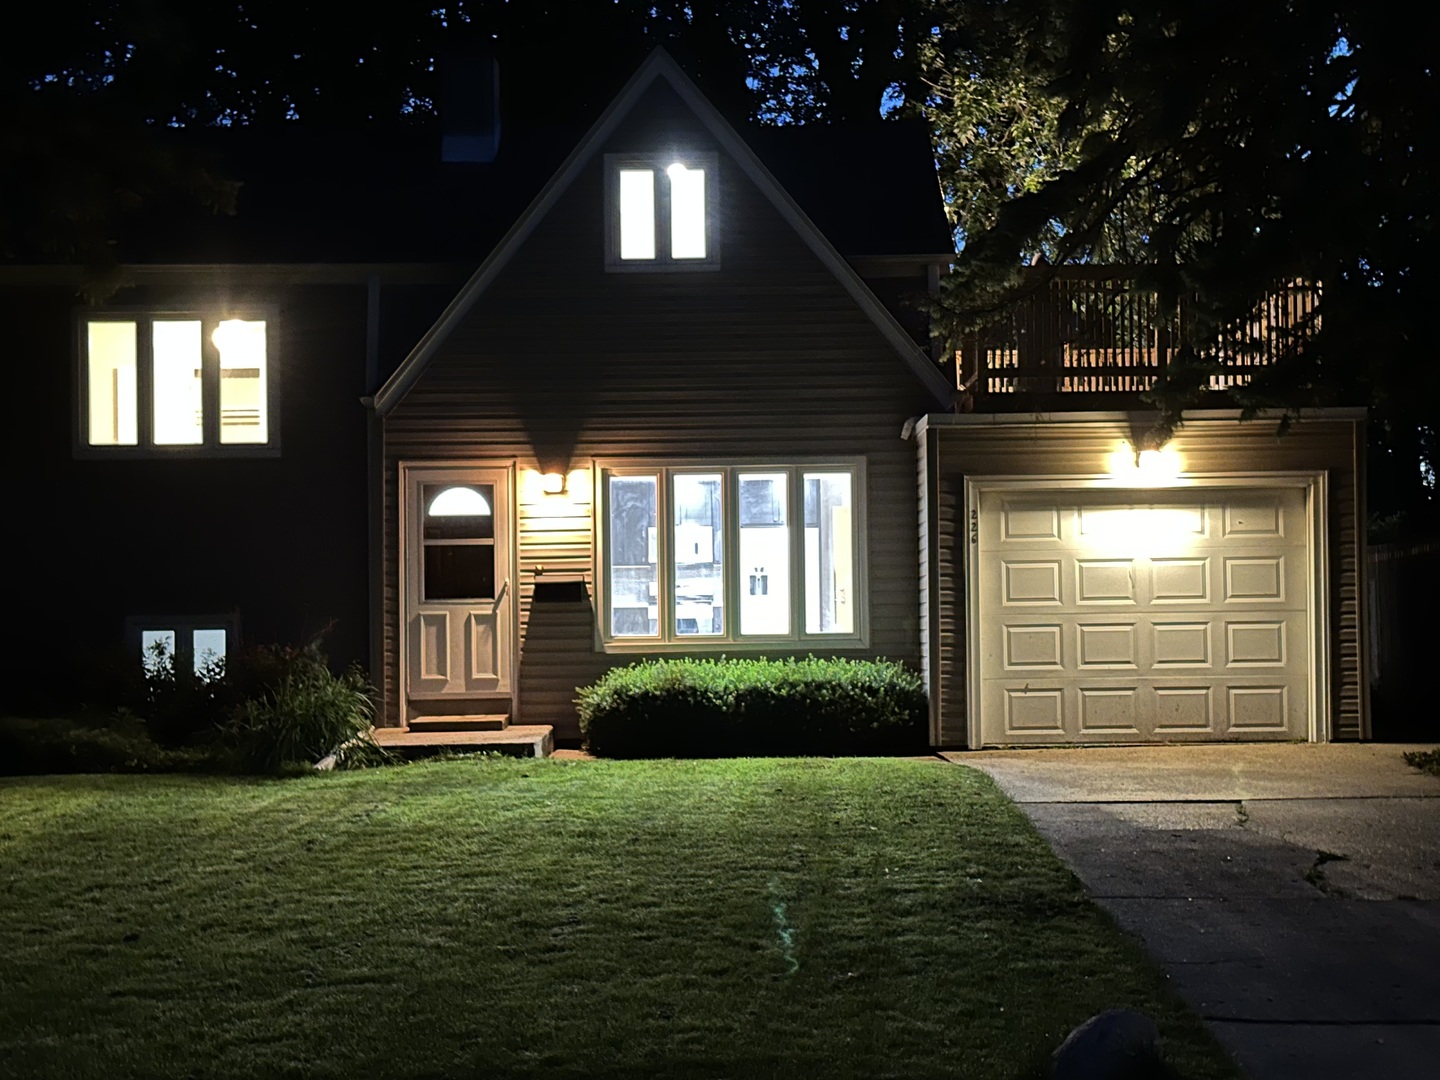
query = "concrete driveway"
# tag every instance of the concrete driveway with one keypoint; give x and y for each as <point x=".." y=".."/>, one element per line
<point x="1292" y="892"/>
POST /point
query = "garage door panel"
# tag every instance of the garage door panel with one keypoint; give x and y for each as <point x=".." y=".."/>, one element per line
<point x="1106" y="645"/>
<point x="1256" y="644"/>
<point x="1032" y="646"/>
<point x="1107" y="618"/>
<point x="1180" y="580"/>
<point x="1181" y="644"/>
<point x="1105" y="581"/>
<point x="1109" y="710"/>
<point x="1030" y="582"/>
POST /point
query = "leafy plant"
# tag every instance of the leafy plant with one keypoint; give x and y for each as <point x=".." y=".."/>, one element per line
<point x="726" y="708"/>
<point x="1424" y="760"/>
<point x="299" y="711"/>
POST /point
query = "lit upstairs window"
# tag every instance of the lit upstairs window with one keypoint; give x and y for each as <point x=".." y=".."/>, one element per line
<point x="162" y="384"/>
<point x="661" y="212"/>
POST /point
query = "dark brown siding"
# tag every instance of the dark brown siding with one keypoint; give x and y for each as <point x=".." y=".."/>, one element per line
<point x="280" y="540"/>
<point x="1055" y="447"/>
<point x="560" y="363"/>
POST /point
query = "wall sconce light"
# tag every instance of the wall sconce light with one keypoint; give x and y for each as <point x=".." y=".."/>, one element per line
<point x="553" y="483"/>
<point x="1132" y="467"/>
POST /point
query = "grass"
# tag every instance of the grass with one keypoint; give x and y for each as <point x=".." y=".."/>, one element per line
<point x="574" y="919"/>
<point x="1424" y="760"/>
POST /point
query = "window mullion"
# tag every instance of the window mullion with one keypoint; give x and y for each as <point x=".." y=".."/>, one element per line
<point x="209" y="385"/>
<point x="730" y="564"/>
<point x="663" y="252"/>
<point x="796" y="483"/>
<point x="664" y="571"/>
<point x="145" y="382"/>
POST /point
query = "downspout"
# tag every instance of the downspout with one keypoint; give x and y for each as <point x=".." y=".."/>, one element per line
<point x="374" y="457"/>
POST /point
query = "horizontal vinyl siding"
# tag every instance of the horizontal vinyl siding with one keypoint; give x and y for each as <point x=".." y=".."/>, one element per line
<point x="1055" y="449"/>
<point x="560" y="363"/>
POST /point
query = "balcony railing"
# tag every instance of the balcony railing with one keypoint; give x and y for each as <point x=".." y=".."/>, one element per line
<point x="1091" y="330"/>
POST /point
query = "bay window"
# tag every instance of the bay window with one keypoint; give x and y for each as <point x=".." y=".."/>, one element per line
<point x="730" y="554"/>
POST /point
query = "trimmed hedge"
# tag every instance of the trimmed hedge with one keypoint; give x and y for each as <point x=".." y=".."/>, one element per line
<point x="738" y="708"/>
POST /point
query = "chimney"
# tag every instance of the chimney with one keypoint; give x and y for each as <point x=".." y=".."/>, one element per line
<point x="470" y="106"/>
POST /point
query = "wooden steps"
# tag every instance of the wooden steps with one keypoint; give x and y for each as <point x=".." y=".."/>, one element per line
<point x="520" y="740"/>
<point x="486" y="722"/>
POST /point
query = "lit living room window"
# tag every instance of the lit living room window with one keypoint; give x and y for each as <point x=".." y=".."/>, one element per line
<point x="176" y="383"/>
<point x="661" y="211"/>
<point x="730" y="554"/>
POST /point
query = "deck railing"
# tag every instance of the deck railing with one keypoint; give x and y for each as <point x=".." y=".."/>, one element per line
<point x="1091" y="330"/>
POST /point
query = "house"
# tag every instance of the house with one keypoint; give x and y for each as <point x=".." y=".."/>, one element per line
<point x="684" y="406"/>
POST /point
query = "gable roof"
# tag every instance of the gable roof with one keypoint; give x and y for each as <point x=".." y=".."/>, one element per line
<point x="659" y="65"/>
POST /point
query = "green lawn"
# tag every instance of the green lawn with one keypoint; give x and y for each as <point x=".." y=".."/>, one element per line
<point x="582" y="919"/>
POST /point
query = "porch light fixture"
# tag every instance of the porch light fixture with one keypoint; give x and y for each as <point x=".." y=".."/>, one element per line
<point x="553" y="483"/>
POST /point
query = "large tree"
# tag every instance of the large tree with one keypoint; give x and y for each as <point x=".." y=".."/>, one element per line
<point x="1221" y="148"/>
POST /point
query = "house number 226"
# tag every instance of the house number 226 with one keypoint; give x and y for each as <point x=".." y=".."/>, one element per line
<point x="974" y="526"/>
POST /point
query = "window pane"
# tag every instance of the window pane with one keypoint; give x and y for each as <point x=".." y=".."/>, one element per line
<point x="177" y="383"/>
<point x="157" y="650"/>
<point x="208" y="651"/>
<point x="637" y="214"/>
<point x="243" y="404"/>
<point x="829" y="554"/>
<point x="698" y="557"/>
<point x="459" y="511"/>
<point x="111" y="358"/>
<point x="634" y="570"/>
<point x="764" y="555"/>
<point x="459" y="572"/>
<point x="687" y="212"/>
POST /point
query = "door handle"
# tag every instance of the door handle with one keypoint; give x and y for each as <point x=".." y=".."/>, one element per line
<point x="501" y="594"/>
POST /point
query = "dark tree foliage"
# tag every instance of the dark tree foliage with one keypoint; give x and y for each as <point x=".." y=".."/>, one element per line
<point x="88" y="92"/>
<point x="1224" y="147"/>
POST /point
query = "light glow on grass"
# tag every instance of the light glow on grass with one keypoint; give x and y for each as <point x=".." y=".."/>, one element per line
<point x="540" y="918"/>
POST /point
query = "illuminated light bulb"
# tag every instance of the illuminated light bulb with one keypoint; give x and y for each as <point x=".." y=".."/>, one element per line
<point x="552" y="483"/>
<point x="675" y="171"/>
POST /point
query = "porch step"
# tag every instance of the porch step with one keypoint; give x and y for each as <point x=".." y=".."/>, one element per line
<point x="487" y="722"/>
<point x="520" y="740"/>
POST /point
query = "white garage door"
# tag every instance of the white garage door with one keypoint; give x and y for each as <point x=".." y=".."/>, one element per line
<point x="1124" y="616"/>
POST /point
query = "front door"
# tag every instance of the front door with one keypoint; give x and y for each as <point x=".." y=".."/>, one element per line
<point x="459" y="598"/>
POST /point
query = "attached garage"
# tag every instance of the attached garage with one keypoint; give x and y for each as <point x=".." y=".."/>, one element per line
<point x="1067" y="599"/>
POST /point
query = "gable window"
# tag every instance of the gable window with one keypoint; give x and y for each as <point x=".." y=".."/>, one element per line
<point x="167" y="383"/>
<point x="731" y="553"/>
<point x="660" y="211"/>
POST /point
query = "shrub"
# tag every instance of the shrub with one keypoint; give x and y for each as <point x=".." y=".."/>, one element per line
<point x="728" y="708"/>
<point x="31" y="747"/>
<point x="296" y="710"/>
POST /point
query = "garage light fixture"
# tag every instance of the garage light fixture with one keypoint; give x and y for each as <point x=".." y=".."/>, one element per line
<point x="1158" y="467"/>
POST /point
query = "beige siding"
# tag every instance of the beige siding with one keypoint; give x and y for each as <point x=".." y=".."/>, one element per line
<point x="1055" y="447"/>
<point x="560" y="363"/>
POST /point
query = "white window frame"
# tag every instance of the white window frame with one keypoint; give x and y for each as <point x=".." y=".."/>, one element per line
<point x="183" y="627"/>
<point x="658" y="162"/>
<point x="666" y="640"/>
<point x="145" y="446"/>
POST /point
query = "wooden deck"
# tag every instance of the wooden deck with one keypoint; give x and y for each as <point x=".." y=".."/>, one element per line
<point x="1089" y="330"/>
